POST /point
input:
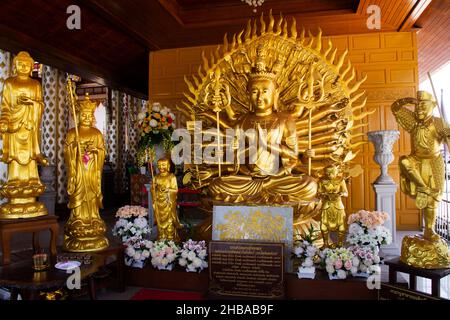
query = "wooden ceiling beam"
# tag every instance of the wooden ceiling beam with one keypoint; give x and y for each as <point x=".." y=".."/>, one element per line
<point x="15" y="41"/>
<point x="100" y="8"/>
<point x="414" y="15"/>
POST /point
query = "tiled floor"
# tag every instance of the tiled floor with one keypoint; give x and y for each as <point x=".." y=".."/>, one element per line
<point x="23" y="242"/>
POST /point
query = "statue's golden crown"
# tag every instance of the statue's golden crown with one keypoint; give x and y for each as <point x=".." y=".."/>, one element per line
<point x="260" y="70"/>
<point x="87" y="105"/>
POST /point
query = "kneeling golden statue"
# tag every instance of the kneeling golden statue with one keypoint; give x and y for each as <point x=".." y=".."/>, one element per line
<point x="85" y="154"/>
<point x="422" y="178"/>
<point x="20" y="125"/>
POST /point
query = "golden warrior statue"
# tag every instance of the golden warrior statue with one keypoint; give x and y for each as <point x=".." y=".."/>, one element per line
<point x="331" y="189"/>
<point x="85" y="154"/>
<point x="164" y="195"/>
<point x="422" y="178"/>
<point x="21" y="114"/>
<point x="293" y="102"/>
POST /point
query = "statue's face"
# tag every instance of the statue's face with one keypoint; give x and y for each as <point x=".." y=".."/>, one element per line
<point x="424" y="109"/>
<point x="87" y="119"/>
<point x="23" y="66"/>
<point x="262" y="94"/>
<point x="332" y="172"/>
<point x="163" y="166"/>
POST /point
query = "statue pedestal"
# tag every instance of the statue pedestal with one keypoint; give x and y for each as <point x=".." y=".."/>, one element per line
<point x="385" y="201"/>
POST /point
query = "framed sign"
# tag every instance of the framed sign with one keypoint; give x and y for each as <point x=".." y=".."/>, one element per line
<point x="246" y="269"/>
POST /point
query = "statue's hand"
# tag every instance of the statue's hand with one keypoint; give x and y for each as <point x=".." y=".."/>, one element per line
<point x="408" y="101"/>
<point x="310" y="153"/>
<point x="25" y="100"/>
<point x="3" y="126"/>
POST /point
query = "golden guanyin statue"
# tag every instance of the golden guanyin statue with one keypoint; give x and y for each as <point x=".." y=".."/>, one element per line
<point x="20" y="125"/>
<point x="294" y="104"/>
<point x="85" y="154"/>
<point x="332" y="213"/>
<point x="164" y="195"/>
<point x="423" y="178"/>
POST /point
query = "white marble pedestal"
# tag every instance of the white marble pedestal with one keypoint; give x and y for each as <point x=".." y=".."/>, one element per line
<point x="385" y="201"/>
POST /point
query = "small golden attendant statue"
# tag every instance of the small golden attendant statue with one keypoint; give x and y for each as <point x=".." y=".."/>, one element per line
<point x="21" y="114"/>
<point x="422" y="178"/>
<point x="164" y="195"/>
<point x="85" y="154"/>
<point x="331" y="189"/>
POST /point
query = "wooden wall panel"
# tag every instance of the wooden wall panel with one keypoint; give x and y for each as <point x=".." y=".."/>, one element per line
<point x="390" y="62"/>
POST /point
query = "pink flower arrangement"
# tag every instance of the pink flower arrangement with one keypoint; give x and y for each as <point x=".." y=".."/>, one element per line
<point x="164" y="253"/>
<point x="368" y="261"/>
<point x="193" y="256"/>
<point x="369" y="219"/>
<point x="131" y="211"/>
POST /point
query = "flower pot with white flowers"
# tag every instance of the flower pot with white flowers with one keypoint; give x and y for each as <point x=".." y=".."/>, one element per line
<point x="306" y="251"/>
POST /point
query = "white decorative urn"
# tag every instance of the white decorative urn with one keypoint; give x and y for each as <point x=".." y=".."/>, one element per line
<point x="383" y="141"/>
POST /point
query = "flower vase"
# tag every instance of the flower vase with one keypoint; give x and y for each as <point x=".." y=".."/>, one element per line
<point x="169" y="267"/>
<point x="143" y="170"/>
<point x="360" y="274"/>
<point x="333" y="277"/>
<point x="138" y="264"/>
<point x="306" y="272"/>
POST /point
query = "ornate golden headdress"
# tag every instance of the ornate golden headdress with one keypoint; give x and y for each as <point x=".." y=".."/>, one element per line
<point x="425" y="96"/>
<point x="87" y="105"/>
<point x="260" y="71"/>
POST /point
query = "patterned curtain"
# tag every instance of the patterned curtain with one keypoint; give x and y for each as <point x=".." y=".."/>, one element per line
<point x="55" y="124"/>
<point x="5" y="72"/>
<point x="122" y="138"/>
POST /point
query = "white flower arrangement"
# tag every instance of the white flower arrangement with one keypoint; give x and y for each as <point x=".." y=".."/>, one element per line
<point x="366" y="261"/>
<point x="366" y="230"/>
<point x="339" y="262"/>
<point x="307" y="253"/>
<point x="132" y="223"/>
<point x="193" y="256"/>
<point x="164" y="253"/>
<point x="137" y="251"/>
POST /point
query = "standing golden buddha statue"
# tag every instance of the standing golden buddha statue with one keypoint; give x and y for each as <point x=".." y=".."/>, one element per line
<point x="85" y="154"/>
<point x="21" y="114"/>
<point x="422" y="178"/>
<point x="331" y="189"/>
<point x="164" y="195"/>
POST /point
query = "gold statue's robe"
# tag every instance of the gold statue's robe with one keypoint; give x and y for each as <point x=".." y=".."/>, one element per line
<point x="165" y="206"/>
<point x="21" y="142"/>
<point x="85" y="230"/>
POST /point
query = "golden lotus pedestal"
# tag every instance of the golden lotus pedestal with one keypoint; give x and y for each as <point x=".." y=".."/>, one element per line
<point x="85" y="237"/>
<point x="22" y="201"/>
<point x="422" y="253"/>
